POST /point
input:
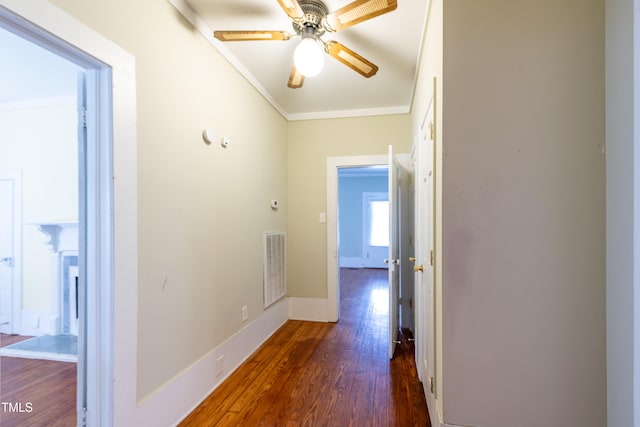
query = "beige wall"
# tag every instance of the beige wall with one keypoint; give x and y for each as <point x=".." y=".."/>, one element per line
<point x="202" y="209"/>
<point x="523" y="219"/>
<point x="310" y="143"/>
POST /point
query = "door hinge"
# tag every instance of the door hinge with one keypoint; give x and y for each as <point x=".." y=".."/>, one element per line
<point x="431" y="258"/>
<point x="431" y="131"/>
<point x="431" y="384"/>
<point x="84" y="417"/>
<point x="82" y="116"/>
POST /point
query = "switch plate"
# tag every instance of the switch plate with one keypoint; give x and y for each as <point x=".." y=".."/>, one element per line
<point x="245" y="313"/>
<point x="322" y="217"/>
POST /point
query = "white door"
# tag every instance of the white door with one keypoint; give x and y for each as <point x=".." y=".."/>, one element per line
<point x="394" y="250"/>
<point x="406" y="232"/>
<point x="425" y="328"/>
<point x="6" y="255"/>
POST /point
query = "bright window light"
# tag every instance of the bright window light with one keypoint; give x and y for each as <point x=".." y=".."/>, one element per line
<point x="379" y="232"/>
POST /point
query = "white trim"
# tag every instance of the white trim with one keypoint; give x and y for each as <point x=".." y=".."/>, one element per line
<point x="180" y="396"/>
<point x="333" y="164"/>
<point x="340" y="114"/>
<point x="37" y="322"/>
<point x="311" y="309"/>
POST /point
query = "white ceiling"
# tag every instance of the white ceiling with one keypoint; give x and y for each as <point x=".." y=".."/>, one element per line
<point x="391" y="41"/>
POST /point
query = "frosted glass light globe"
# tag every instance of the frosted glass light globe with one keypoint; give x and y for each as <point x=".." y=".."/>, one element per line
<point x="309" y="57"/>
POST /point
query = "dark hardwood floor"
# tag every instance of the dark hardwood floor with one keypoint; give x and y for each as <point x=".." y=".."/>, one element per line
<point x="325" y="374"/>
<point x="36" y="392"/>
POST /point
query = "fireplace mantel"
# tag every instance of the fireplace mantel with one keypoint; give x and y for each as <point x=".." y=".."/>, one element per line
<point x="61" y="235"/>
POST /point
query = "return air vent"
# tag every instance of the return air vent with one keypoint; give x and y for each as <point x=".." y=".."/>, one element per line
<point x="275" y="284"/>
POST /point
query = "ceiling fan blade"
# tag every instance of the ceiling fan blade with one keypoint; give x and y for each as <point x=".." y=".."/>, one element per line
<point x="356" y="12"/>
<point x="292" y="7"/>
<point x="239" y="36"/>
<point x="296" y="79"/>
<point x="351" y="59"/>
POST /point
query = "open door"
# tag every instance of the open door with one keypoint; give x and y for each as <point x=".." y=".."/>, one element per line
<point x="394" y="250"/>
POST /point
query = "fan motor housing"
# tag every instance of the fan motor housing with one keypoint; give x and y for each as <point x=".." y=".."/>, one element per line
<point x="314" y="12"/>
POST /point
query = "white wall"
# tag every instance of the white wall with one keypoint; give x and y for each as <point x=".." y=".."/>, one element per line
<point x="523" y="220"/>
<point x="38" y="138"/>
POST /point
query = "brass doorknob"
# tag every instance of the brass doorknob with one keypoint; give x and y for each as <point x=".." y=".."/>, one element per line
<point x="417" y="268"/>
<point x="412" y="259"/>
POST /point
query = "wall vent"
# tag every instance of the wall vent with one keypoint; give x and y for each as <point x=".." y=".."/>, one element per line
<point x="275" y="284"/>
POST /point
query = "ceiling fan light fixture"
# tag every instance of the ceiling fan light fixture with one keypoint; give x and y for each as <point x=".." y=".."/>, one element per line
<point x="309" y="57"/>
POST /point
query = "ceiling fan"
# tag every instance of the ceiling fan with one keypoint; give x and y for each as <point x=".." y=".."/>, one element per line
<point x="311" y="19"/>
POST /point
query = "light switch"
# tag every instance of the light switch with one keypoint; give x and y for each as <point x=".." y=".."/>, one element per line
<point x="322" y="217"/>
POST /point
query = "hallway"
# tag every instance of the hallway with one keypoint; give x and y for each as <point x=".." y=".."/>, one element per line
<point x="325" y="374"/>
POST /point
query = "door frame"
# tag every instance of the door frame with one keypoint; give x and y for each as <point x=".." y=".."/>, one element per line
<point x="111" y="362"/>
<point x="333" y="255"/>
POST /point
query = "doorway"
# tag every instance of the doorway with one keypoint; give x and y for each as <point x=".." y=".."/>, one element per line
<point x="363" y="216"/>
<point x="400" y="283"/>
<point x="40" y="169"/>
<point x="70" y="223"/>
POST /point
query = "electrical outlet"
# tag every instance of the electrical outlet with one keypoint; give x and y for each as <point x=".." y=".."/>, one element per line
<point x="219" y="365"/>
<point x="245" y="313"/>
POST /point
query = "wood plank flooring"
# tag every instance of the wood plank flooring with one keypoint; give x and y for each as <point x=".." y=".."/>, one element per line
<point x="49" y="386"/>
<point x="325" y="374"/>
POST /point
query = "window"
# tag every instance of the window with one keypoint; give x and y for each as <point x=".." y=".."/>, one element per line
<point x="379" y="223"/>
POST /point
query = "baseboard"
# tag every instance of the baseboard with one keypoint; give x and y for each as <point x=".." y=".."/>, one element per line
<point x="359" y="262"/>
<point x="179" y="397"/>
<point x="312" y="309"/>
<point x="37" y="323"/>
<point x="439" y="420"/>
<point x="351" y="262"/>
